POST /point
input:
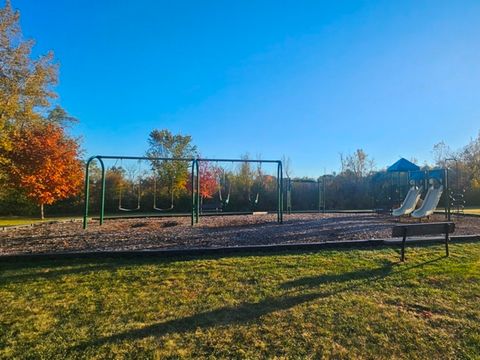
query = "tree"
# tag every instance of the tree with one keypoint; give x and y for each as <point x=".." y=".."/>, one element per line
<point x="209" y="179"/>
<point x="245" y="177"/>
<point x="174" y="175"/>
<point x="44" y="163"/>
<point x="25" y="84"/>
<point x="59" y="116"/>
<point x="358" y="164"/>
<point x="287" y="166"/>
<point x="470" y="161"/>
<point x="441" y="151"/>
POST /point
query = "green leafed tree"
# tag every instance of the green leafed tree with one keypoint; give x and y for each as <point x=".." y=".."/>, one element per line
<point x="172" y="176"/>
<point x="26" y="84"/>
<point x="26" y="89"/>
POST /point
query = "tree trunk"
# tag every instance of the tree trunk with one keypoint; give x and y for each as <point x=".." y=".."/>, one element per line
<point x="42" y="213"/>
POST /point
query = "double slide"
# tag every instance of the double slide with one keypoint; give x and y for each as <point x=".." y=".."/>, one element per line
<point x="428" y="206"/>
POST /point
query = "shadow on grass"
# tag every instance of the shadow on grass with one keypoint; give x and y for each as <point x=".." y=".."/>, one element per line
<point x="368" y="275"/>
<point x="113" y="261"/>
<point x="52" y="274"/>
<point x="248" y="312"/>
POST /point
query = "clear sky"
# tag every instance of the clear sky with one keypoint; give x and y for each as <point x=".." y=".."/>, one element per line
<point x="308" y="79"/>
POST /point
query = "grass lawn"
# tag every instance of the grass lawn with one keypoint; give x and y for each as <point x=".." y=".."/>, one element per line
<point x="357" y="303"/>
<point x="15" y="220"/>
<point x="475" y="211"/>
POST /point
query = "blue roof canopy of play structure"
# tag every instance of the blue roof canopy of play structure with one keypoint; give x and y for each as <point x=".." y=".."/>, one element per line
<point x="403" y="165"/>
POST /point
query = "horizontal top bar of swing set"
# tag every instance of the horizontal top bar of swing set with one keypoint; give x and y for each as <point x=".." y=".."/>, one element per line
<point x="106" y="157"/>
<point x="111" y="157"/>
<point x="241" y="160"/>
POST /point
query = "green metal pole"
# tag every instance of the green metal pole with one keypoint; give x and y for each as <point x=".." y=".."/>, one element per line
<point x="289" y="196"/>
<point x="319" y="195"/>
<point x="281" y="192"/>
<point x="102" y="195"/>
<point x="86" y="193"/>
<point x="324" y="193"/>
<point x="193" y="193"/>
<point x="198" y="191"/>
<point x="447" y="194"/>
<point x="278" y="193"/>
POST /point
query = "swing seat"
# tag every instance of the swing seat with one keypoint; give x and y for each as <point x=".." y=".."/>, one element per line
<point x="125" y="209"/>
<point x="215" y="207"/>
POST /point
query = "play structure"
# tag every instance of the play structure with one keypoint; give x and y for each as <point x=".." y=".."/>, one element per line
<point x="410" y="202"/>
<point x="152" y="186"/>
<point x="400" y="174"/>
<point x="435" y="181"/>
<point x="457" y="187"/>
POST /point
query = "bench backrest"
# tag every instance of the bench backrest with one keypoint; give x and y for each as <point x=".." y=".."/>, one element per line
<point x="423" y="229"/>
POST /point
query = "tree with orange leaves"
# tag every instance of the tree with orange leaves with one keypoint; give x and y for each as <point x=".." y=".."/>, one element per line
<point x="208" y="179"/>
<point x="44" y="163"/>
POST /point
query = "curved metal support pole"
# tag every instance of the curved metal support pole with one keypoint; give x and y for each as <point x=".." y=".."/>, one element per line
<point x="87" y="190"/>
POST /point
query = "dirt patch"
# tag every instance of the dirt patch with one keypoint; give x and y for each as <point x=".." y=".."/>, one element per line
<point x="213" y="231"/>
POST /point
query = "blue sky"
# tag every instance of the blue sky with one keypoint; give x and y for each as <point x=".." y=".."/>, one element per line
<point x="306" y="79"/>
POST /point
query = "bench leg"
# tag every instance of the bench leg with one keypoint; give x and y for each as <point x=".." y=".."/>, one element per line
<point x="402" y="256"/>
<point x="446" y="244"/>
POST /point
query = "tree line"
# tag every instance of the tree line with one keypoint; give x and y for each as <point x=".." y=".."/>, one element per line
<point x="39" y="161"/>
<point x="41" y="164"/>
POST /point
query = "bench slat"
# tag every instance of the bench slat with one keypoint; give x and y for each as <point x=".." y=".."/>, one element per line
<point x="423" y="229"/>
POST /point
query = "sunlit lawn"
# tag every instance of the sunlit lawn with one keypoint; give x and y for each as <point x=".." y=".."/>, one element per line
<point x="475" y="211"/>
<point x="14" y="220"/>
<point x="341" y="304"/>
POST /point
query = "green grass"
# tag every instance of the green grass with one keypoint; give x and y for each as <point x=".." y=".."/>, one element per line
<point x="17" y="220"/>
<point x="334" y="304"/>
<point x="475" y="211"/>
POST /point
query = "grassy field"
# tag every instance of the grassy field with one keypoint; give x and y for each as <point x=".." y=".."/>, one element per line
<point x="341" y="304"/>
<point x="17" y="220"/>
<point x="475" y="211"/>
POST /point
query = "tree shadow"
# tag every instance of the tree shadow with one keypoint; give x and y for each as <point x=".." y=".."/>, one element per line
<point x="51" y="274"/>
<point x="367" y="275"/>
<point x="252" y="311"/>
<point x="364" y="274"/>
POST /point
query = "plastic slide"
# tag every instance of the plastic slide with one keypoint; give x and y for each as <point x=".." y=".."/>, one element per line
<point x="410" y="202"/>
<point x="430" y="203"/>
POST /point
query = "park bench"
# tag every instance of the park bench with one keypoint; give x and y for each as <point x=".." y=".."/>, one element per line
<point x="423" y="229"/>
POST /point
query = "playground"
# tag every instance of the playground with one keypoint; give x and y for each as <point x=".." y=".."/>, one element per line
<point x="147" y="203"/>
<point x="133" y="234"/>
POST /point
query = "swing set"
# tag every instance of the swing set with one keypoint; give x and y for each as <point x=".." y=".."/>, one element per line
<point x="224" y="184"/>
<point x="121" y="188"/>
<point x="195" y="210"/>
<point x="136" y="182"/>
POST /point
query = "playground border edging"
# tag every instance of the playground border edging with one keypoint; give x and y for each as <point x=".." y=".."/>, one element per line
<point x="168" y="253"/>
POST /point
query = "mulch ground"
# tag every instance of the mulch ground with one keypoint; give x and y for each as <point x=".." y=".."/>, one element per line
<point x="213" y="231"/>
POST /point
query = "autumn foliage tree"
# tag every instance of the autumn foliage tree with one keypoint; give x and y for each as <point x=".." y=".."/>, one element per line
<point x="26" y="84"/>
<point x="208" y="179"/>
<point x="26" y="101"/>
<point x="44" y="163"/>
